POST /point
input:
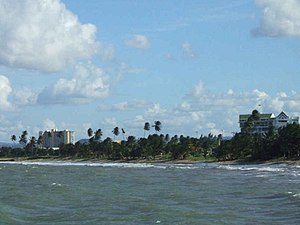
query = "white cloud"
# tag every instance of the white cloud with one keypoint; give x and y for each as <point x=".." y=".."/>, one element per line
<point x="107" y="52"/>
<point x="138" y="41"/>
<point x="124" y="106"/>
<point x="24" y="96"/>
<point x="155" y="109"/>
<point x="230" y="92"/>
<point x="280" y="18"/>
<point x="5" y="90"/>
<point x="89" y="83"/>
<point x="111" y="121"/>
<point x="197" y="115"/>
<point x="210" y="125"/>
<point x="198" y="90"/>
<point x="276" y="104"/>
<point x="188" y="50"/>
<point x="8" y="128"/>
<point x="185" y="105"/>
<point x="49" y="124"/>
<point x="43" y="35"/>
<point x="260" y="95"/>
<point x="285" y="102"/>
<point x="214" y="112"/>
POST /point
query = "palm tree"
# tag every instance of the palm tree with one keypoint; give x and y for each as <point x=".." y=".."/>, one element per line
<point x="157" y="126"/>
<point x="255" y="114"/>
<point x="90" y="132"/>
<point x="23" y="138"/>
<point x="32" y="143"/>
<point x="251" y="121"/>
<point x="98" y="135"/>
<point x="116" y="132"/>
<point x="13" y="138"/>
<point x="123" y="132"/>
<point x="146" y="128"/>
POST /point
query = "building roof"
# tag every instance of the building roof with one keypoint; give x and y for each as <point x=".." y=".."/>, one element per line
<point x="262" y="116"/>
<point x="282" y="115"/>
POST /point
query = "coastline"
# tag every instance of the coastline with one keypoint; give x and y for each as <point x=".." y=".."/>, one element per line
<point x="184" y="161"/>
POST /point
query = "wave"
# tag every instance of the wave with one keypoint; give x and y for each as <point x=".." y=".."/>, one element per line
<point x="73" y="163"/>
<point x="295" y="195"/>
<point x="258" y="168"/>
<point x="262" y="169"/>
<point x="102" y="164"/>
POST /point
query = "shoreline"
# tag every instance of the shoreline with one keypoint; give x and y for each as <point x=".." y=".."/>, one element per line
<point x="184" y="161"/>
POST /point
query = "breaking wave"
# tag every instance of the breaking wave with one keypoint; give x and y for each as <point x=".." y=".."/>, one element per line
<point x="102" y="164"/>
<point x="254" y="168"/>
<point x="260" y="169"/>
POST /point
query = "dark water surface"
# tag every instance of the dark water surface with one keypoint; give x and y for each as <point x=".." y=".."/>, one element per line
<point x="110" y="193"/>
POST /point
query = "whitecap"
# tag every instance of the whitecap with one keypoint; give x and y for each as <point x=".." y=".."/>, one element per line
<point x="56" y="184"/>
<point x="262" y="175"/>
<point x="86" y="163"/>
<point x="34" y="164"/>
<point x="252" y="168"/>
<point x="185" y="167"/>
<point x="296" y="195"/>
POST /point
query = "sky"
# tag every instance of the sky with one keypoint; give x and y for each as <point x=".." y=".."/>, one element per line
<point x="193" y="65"/>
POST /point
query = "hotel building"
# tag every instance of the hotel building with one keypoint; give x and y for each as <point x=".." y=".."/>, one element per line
<point x="54" y="138"/>
<point x="265" y="121"/>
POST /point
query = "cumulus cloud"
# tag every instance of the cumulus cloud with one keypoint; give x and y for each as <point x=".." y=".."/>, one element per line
<point x="282" y="101"/>
<point x="43" y="35"/>
<point x="89" y="83"/>
<point x="203" y="111"/>
<point x="202" y="108"/>
<point x="280" y="18"/>
<point x="138" y="41"/>
<point x="203" y="99"/>
<point x="5" y="90"/>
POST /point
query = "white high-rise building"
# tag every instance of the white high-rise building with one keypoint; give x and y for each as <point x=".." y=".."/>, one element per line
<point x="54" y="138"/>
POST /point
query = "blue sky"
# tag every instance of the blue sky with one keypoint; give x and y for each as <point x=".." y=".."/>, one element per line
<point x="193" y="65"/>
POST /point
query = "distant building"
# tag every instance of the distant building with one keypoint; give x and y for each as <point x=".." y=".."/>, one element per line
<point x="54" y="138"/>
<point x="265" y="121"/>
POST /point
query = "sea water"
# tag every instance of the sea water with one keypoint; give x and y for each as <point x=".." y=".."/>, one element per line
<point x="145" y="193"/>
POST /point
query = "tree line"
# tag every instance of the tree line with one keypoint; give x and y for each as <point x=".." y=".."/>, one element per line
<point x="245" y="145"/>
<point x="248" y="145"/>
<point x="154" y="146"/>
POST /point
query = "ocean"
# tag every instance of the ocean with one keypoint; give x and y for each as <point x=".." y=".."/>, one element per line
<point x="59" y="192"/>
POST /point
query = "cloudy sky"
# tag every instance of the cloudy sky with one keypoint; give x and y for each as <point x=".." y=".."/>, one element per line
<point x="193" y="65"/>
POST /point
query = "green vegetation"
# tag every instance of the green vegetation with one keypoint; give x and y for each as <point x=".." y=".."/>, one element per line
<point x="284" y="143"/>
<point x="154" y="147"/>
